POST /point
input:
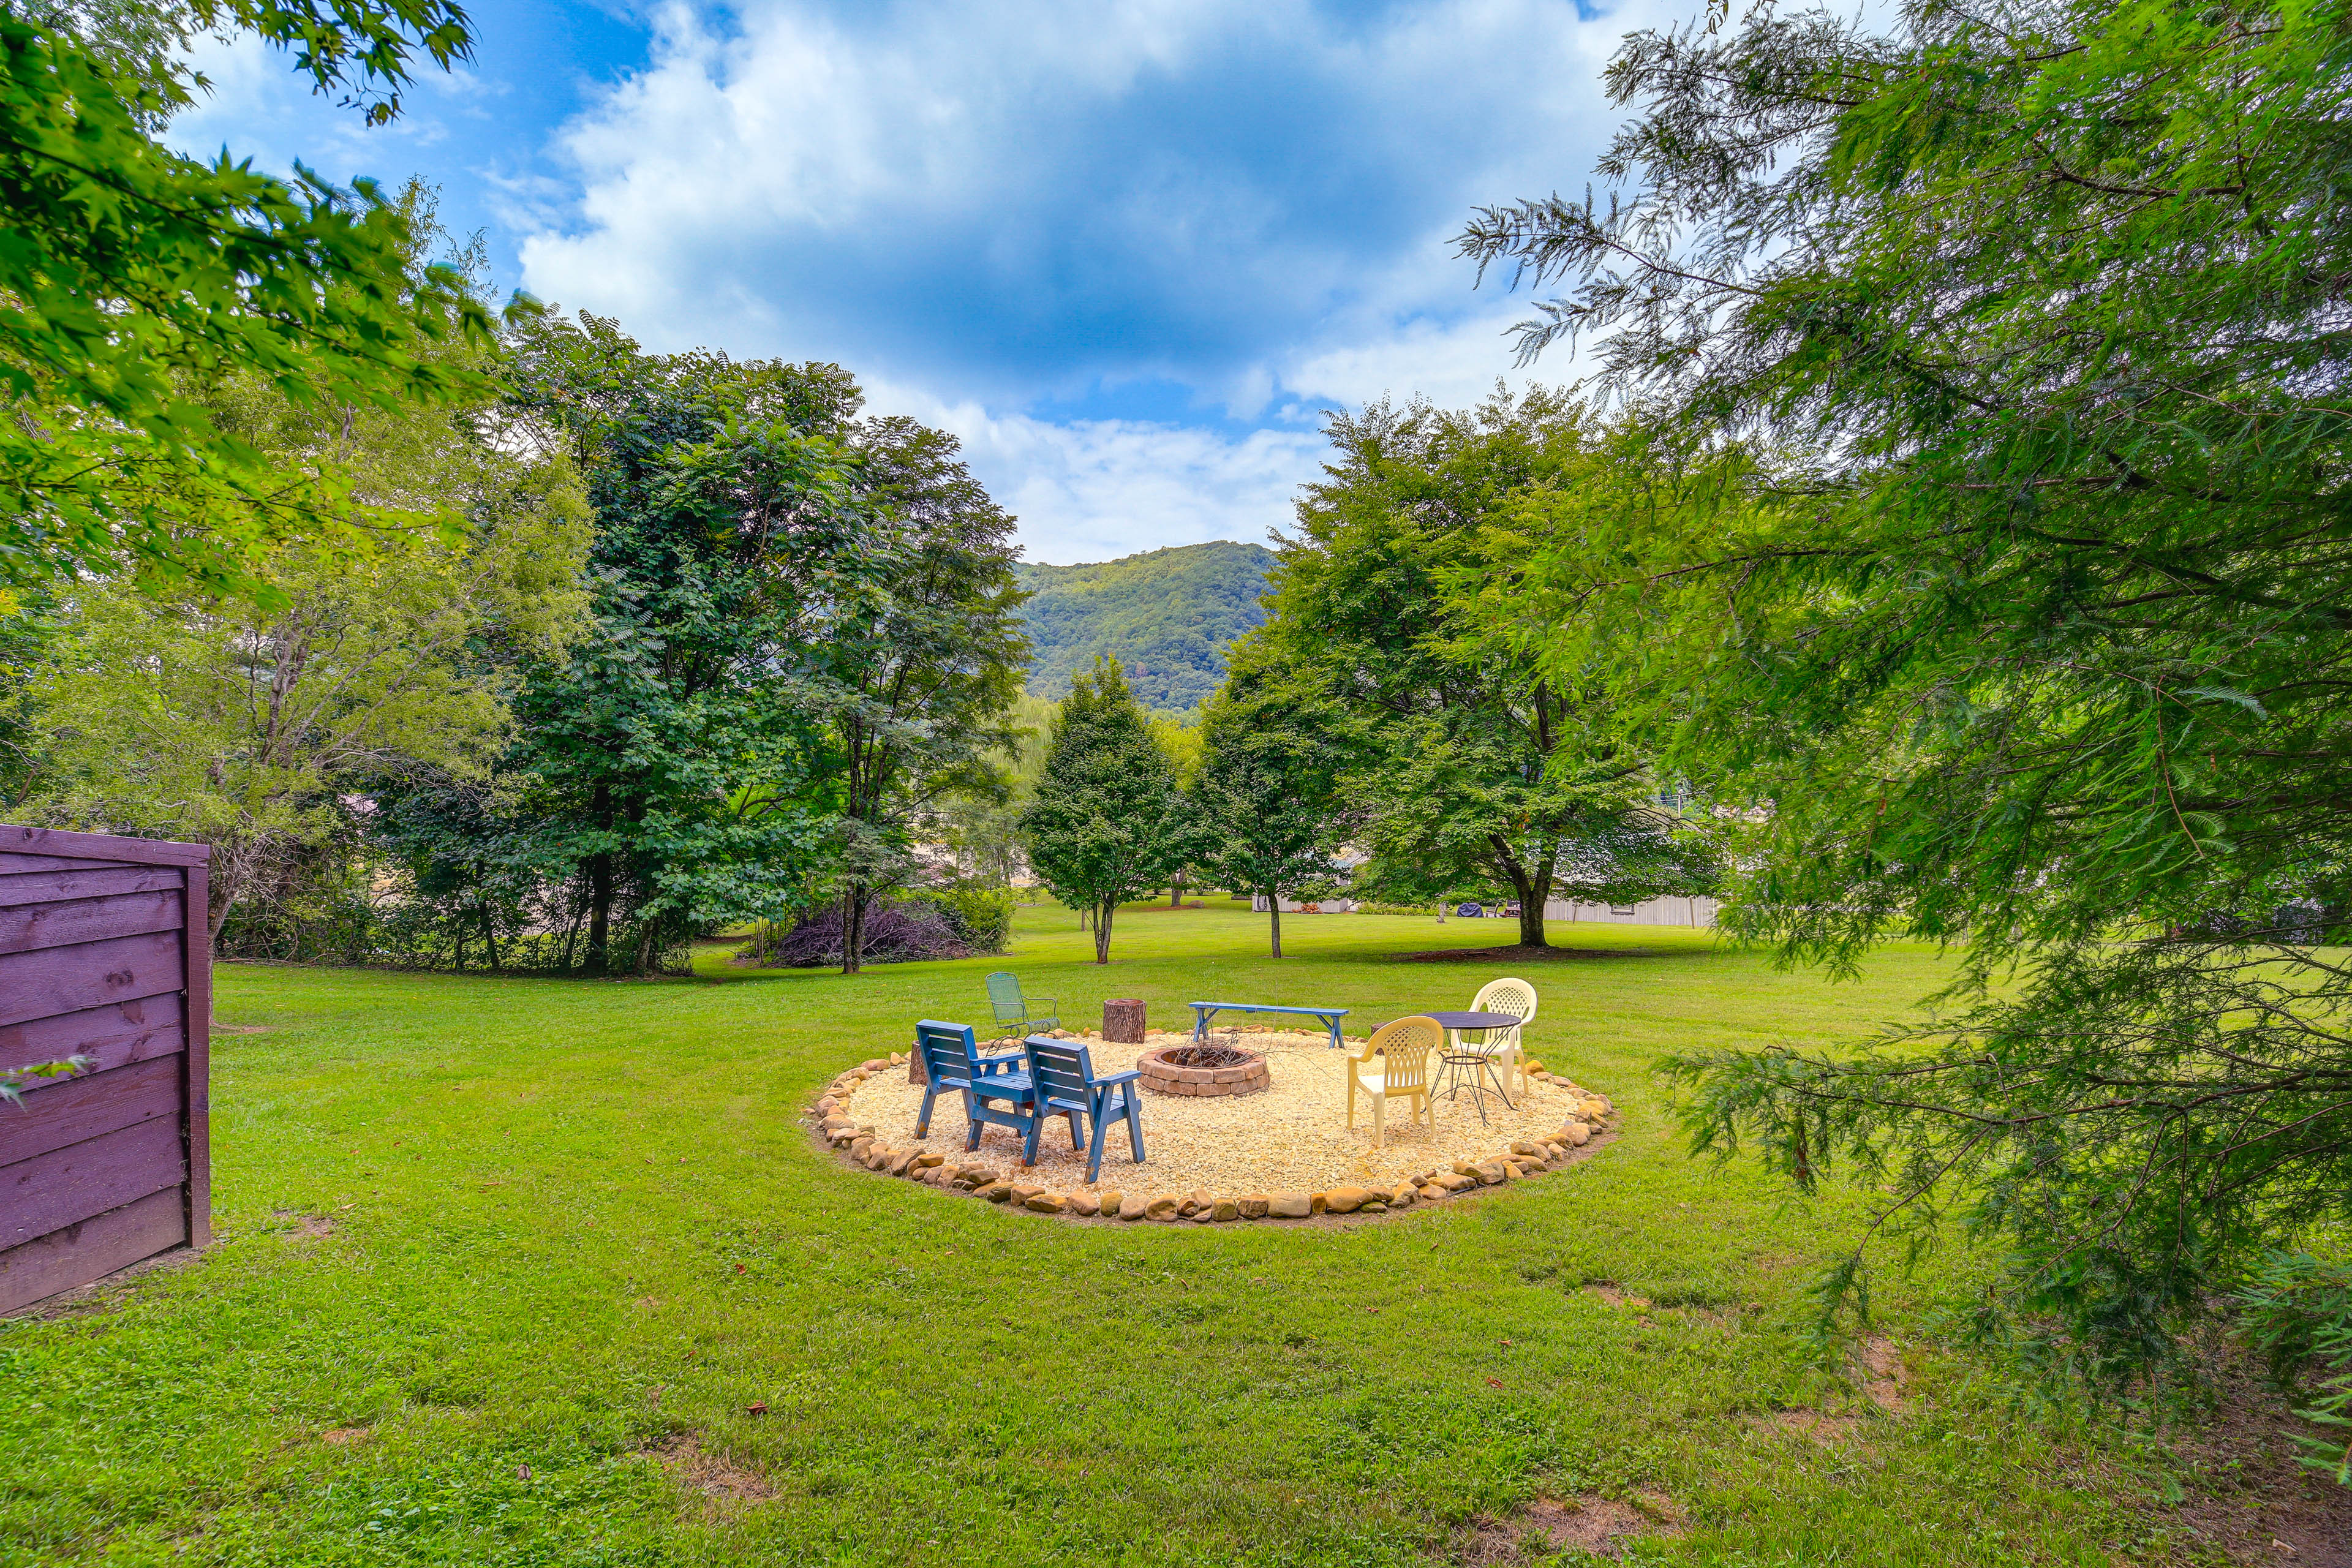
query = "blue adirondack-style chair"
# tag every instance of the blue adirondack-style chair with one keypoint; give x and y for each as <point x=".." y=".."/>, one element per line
<point x="1017" y="1014"/>
<point x="995" y="1089"/>
<point x="1065" y="1078"/>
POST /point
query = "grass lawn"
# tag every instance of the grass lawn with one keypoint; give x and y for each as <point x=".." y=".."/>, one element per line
<point x="506" y="1264"/>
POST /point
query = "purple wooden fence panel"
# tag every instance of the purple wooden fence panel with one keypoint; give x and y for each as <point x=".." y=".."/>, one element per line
<point x="103" y="954"/>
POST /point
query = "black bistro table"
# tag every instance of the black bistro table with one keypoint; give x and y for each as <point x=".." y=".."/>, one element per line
<point x="1464" y="1067"/>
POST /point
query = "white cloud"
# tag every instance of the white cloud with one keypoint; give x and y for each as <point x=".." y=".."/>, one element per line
<point x="1097" y="489"/>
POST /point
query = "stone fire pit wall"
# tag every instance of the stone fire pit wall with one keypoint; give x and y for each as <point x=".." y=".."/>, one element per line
<point x="1166" y="1078"/>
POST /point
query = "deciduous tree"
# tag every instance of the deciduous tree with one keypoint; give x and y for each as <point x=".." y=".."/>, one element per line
<point x="1107" y="823"/>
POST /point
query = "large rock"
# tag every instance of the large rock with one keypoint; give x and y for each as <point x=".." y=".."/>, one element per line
<point x="1129" y="1209"/>
<point x="1048" y="1202"/>
<point x="1163" y="1209"/>
<point x="1024" y="1191"/>
<point x="1450" y="1183"/>
<point x="1226" y="1209"/>
<point x="860" y="1147"/>
<point x="1254" y="1205"/>
<point x="1345" y="1200"/>
<point x="1289" y="1205"/>
<point x="1491" y="1172"/>
<point x="1110" y="1203"/>
<point x="1203" y="1215"/>
<point x="931" y="1158"/>
<point x="1319" y="1202"/>
<point x="1401" y="1194"/>
<point x="1084" y="1204"/>
<point x="1576" y="1135"/>
<point x="1526" y="1146"/>
<point x="1465" y="1168"/>
<point x="997" y="1191"/>
<point x="902" y="1163"/>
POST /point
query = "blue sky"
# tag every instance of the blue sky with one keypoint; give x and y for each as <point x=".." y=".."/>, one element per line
<point x="1128" y="252"/>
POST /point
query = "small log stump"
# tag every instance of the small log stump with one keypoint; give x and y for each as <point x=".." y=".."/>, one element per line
<point x="1123" y="1021"/>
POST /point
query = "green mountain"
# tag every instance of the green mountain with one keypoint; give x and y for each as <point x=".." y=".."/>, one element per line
<point x="1166" y="616"/>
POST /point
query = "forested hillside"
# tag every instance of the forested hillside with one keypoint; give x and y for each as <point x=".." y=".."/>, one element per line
<point x="1166" y="616"/>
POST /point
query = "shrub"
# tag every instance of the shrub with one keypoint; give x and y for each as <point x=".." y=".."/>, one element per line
<point x="894" y="933"/>
<point x="981" y="916"/>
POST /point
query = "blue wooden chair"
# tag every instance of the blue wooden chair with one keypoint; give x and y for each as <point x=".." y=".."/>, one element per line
<point x="1016" y="1014"/>
<point x="995" y="1089"/>
<point x="1064" y="1074"/>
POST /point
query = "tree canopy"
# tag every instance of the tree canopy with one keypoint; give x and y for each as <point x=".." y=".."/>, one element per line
<point x="1107" y="823"/>
<point x="1477" y="765"/>
<point x="2015" y="604"/>
<point x="1267" y="796"/>
<point x="131" y="274"/>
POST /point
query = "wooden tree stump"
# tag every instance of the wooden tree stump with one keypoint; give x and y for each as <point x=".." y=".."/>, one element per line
<point x="1123" y="1021"/>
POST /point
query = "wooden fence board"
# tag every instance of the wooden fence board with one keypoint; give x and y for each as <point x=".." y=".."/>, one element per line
<point x="28" y="928"/>
<point x="68" y="979"/>
<point x="16" y="862"/>
<point x="105" y="956"/>
<point x="21" y="887"/>
<point x="110" y="1036"/>
<point x="65" y="1186"/>
<point x="196" y="1061"/>
<point x="56" y="841"/>
<point x="88" y="1106"/>
<point x="92" y="1248"/>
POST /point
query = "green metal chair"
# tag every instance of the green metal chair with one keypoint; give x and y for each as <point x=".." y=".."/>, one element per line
<point x="1016" y="1014"/>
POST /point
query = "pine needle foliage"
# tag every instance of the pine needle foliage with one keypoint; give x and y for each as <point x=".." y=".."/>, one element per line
<point x="2017" y="339"/>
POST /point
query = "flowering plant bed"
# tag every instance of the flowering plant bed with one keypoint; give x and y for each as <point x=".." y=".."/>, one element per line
<point x="1282" y="1151"/>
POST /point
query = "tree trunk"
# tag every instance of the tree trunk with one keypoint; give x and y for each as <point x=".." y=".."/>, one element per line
<point x="1531" y="922"/>
<point x="1538" y="894"/>
<point x="490" y="938"/>
<point x="1176" y="891"/>
<point x="1273" y="907"/>
<point x="1102" y="932"/>
<point x="598" y="959"/>
<point x="853" y="926"/>
<point x="1532" y="889"/>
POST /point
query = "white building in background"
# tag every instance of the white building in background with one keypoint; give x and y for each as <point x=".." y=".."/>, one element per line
<point x="1667" y="911"/>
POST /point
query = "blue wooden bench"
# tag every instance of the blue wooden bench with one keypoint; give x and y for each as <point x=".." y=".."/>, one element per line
<point x="1204" y="1011"/>
<point x="996" y="1089"/>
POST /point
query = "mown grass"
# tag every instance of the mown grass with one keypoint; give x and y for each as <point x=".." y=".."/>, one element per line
<point x="575" y="1223"/>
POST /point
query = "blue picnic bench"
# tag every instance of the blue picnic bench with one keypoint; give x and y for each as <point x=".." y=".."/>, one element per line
<point x="1204" y="1011"/>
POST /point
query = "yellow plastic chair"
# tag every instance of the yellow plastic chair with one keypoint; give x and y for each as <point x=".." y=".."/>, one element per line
<point x="1517" y="998"/>
<point x="1394" y="1062"/>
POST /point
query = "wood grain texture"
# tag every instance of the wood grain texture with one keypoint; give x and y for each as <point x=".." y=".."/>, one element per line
<point x="113" y="1036"/>
<point x="12" y="862"/>
<point x="104" y="953"/>
<point x="90" y="1249"/>
<point x="66" y="1186"/>
<point x="88" y="1106"/>
<point x="28" y="928"/>
<point x="51" y="841"/>
<point x="196" y="1061"/>
<point x="68" y="979"/>
<point x="84" y="881"/>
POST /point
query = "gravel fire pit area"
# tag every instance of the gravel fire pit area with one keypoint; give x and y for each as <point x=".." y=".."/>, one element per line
<point x="1280" y="1151"/>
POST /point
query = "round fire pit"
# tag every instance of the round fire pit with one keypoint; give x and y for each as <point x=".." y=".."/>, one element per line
<point x="1170" y="1078"/>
